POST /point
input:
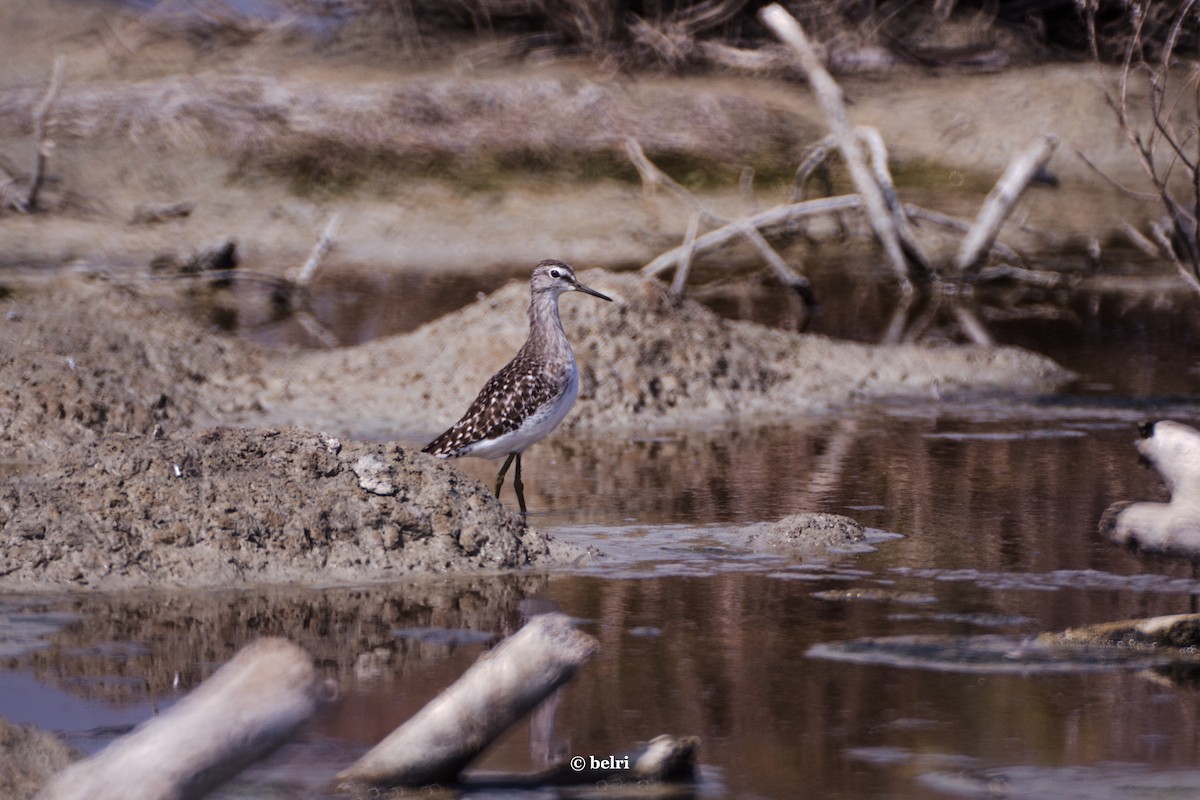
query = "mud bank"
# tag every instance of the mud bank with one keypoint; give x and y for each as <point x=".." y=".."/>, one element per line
<point x="224" y="507"/>
<point x="83" y="357"/>
<point x="28" y="758"/>
<point x="120" y="478"/>
<point x="647" y="363"/>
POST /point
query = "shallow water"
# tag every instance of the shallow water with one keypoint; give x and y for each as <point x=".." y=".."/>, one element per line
<point x="984" y="521"/>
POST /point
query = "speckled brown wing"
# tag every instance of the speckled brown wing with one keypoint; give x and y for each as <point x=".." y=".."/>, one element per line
<point x="509" y="397"/>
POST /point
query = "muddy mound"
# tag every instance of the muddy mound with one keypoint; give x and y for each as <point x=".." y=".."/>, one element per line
<point x="28" y="758"/>
<point x="646" y="362"/>
<point x="223" y="507"/>
<point x="812" y="531"/>
<point x="84" y="358"/>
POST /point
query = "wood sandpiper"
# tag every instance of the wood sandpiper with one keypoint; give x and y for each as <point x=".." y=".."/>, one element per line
<point x="522" y="403"/>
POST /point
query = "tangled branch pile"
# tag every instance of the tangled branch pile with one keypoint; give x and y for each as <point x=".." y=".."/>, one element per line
<point x="681" y="34"/>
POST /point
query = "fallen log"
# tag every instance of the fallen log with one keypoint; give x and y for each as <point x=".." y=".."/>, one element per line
<point x="498" y="690"/>
<point x="244" y="711"/>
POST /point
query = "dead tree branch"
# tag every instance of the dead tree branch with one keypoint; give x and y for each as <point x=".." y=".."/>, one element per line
<point x="319" y="251"/>
<point x="40" y="136"/>
<point x="778" y="215"/>
<point x="685" y="257"/>
<point x="829" y="95"/>
<point x="1178" y="236"/>
<point x="1001" y="200"/>
<point x="744" y="227"/>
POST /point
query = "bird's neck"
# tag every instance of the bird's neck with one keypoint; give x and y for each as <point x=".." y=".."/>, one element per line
<point x="546" y="334"/>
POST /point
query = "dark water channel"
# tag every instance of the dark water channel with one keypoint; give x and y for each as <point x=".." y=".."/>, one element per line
<point x="995" y="503"/>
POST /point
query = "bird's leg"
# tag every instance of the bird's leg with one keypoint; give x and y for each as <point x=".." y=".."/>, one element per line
<point x="520" y="487"/>
<point x="504" y="469"/>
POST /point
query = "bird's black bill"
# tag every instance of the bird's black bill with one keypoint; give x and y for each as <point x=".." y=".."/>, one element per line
<point x="579" y="287"/>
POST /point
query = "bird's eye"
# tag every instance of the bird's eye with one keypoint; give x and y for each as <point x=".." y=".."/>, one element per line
<point x="555" y="273"/>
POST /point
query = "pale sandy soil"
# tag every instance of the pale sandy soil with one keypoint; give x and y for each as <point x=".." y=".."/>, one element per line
<point x="146" y="119"/>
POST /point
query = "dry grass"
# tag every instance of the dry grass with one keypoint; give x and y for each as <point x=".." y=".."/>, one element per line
<point x="679" y="35"/>
<point x="314" y="135"/>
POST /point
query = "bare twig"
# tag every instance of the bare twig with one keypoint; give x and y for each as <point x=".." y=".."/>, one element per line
<point x="783" y="271"/>
<point x="1164" y="241"/>
<point x="814" y="158"/>
<point x="1001" y="200"/>
<point x="746" y="187"/>
<point x="746" y="227"/>
<point x="319" y="251"/>
<point x="685" y="258"/>
<point x="1182" y="242"/>
<point x="913" y="211"/>
<point x="1136" y="195"/>
<point x="879" y="165"/>
<point x="41" y="138"/>
<point x="773" y="216"/>
<point x="971" y="326"/>
<point x="653" y="176"/>
<point x="315" y="328"/>
<point x="1139" y="240"/>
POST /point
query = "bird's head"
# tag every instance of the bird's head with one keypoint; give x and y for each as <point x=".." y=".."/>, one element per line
<point x="556" y="277"/>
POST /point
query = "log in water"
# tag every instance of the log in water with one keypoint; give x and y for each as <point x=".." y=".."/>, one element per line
<point x="244" y="711"/>
<point x="498" y="690"/>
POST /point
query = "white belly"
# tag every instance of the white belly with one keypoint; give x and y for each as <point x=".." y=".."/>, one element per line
<point x="534" y="428"/>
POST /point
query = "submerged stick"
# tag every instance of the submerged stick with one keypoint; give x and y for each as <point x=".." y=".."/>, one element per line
<point x="244" y="711"/>
<point x="501" y="687"/>
<point x="1001" y="200"/>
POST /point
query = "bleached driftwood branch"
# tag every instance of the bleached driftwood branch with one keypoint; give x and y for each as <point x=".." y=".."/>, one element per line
<point x="44" y="146"/>
<point x="503" y="686"/>
<point x="244" y="711"/>
<point x="778" y="215"/>
<point x="1001" y="200"/>
<point x="873" y="141"/>
<point x="829" y="95"/>
<point x="685" y="256"/>
<point x="745" y="227"/>
<point x="652" y="176"/>
<point x="319" y="251"/>
<point x="955" y="224"/>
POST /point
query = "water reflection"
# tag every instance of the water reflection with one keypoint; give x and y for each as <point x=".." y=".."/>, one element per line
<point x="998" y="520"/>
